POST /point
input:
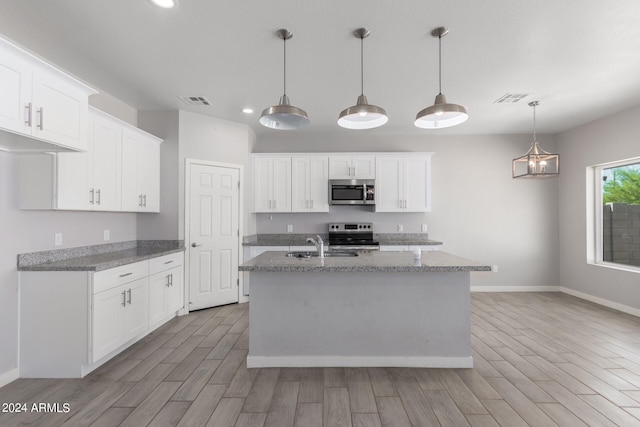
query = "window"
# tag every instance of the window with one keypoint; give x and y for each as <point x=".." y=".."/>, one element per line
<point x="617" y="213"/>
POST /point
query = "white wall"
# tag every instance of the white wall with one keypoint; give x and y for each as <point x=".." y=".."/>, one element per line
<point x="478" y="210"/>
<point x="163" y="225"/>
<point x="605" y="140"/>
<point x="32" y="231"/>
<point x="207" y="138"/>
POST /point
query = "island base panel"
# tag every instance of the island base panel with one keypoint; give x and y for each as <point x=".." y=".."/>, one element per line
<point x="360" y="319"/>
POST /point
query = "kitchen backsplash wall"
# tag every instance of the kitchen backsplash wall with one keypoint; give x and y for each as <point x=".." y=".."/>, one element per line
<point x="317" y="222"/>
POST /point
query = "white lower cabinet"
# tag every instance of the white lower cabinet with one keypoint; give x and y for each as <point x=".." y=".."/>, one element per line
<point x="166" y="289"/>
<point x="120" y="307"/>
<point x="91" y="317"/>
<point x="119" y="314"/>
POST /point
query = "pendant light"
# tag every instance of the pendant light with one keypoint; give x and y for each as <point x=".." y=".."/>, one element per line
<point x="536" y="163"/>
<point x="362" y="115"/>
<point x="284" y="116"/>
<point x="440" y="114"/>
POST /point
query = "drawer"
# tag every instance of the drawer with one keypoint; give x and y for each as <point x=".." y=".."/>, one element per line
<point x="165" y="262"/>
<point x="113" y="277"/>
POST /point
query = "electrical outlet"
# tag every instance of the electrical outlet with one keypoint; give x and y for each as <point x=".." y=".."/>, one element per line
<point x="107" y="235"/>
<point x="424" y="228"/>
<point x="58" y="239"/>
<point x="494" y="268"/>
<point x="289" y="228"/>
<point x="400" y="228"/>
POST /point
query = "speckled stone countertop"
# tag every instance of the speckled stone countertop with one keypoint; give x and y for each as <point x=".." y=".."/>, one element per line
<point x="368" y="261"/>
<point x="98" y="257"/>
<point x="290" y="239"/>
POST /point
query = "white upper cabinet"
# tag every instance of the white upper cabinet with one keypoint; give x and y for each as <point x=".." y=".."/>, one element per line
<point x="96" y="179"/>
<point x="352" y="166"/>
<point x="92" y="180"/>
<point x="40" y="102"/>
<point x="310" y="183"/>
<point x="140" y="171"/>
<point x="403" y="183"/>
<point x="105" y="179"/>
<point x="272" y="184"/>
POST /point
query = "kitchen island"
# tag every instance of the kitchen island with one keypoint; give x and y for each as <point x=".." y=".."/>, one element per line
<point x="374" y="309"/>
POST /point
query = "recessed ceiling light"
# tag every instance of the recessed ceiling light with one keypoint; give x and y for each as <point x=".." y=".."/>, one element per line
<point x="165" y="4"/>
<point x="247" y="110"/>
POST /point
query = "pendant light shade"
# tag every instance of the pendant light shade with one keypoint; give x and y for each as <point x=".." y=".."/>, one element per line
<point x="362" y="115"/>
<point x="284" y="116"/>
<point x="535" y="163"/>
<point x="441" y="114"/>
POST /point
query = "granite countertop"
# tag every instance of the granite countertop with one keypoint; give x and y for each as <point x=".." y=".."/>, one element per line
<point x="290" y="239"/>
<point x="367" y="261"/>
<point x="98" y="257"/>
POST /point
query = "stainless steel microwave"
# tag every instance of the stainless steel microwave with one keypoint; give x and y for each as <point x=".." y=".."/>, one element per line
<point x="352" y="192"/>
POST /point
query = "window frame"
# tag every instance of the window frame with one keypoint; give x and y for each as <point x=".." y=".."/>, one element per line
<point x="596" y="254"/>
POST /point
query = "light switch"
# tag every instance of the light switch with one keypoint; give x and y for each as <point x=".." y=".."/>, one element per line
<point x="107" y="235"/>
<point x="289" y="228"/>
<point x="58" y="239"/>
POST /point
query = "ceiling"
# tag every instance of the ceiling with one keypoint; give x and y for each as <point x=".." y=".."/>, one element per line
<point x="579" y="58"/>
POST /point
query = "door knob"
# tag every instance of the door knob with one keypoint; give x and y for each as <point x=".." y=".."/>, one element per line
<point x="193" y="245"/>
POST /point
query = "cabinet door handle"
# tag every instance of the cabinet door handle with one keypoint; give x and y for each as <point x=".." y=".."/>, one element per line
<point x="129" y="300"/>
<point x="311" y="203"/>
<point x="145" y="200"/>
<point x="27" y="113"/>
<point x="124" y="298"/>
<point x="92" y="196"/>
<point x="168" y="281"/>
<point x="405" y="203"/>
<point x="171" y="279"/>
<point x="400" y="204"/>
<point x="140" y="200"/>
<point x="126" y="274"/>
<point x="41" y="111"/>
<point x="97" y="197"/>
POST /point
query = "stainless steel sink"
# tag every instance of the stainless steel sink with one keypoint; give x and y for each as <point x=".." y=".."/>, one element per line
<point x="327" y="254"/>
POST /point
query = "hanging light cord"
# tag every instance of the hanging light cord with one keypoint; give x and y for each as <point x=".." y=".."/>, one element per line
<point x="439" y="63"/>
<point x="534" y="122"/>
<point x="284" y="40"/>
<point x="362" y="65"/>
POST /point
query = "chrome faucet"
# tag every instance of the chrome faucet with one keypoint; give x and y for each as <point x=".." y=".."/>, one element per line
<point x="319" y="244"/>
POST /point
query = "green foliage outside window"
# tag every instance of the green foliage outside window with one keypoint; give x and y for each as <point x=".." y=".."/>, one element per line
<point x="623" y="186"/>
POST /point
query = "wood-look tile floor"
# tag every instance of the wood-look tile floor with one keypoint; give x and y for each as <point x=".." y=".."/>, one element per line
<point x="541" y="359"/>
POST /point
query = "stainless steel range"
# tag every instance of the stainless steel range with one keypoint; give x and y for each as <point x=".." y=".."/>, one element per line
<point x="354" y="236"/>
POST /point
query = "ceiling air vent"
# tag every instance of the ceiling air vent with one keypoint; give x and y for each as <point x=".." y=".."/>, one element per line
<point x="195" y="100"/>
<point x="511" y="98"/>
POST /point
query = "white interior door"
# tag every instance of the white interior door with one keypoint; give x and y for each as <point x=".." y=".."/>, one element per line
<point x="213" y="236"/>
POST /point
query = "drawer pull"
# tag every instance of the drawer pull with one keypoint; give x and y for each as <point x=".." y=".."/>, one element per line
<point x="126" y="274"/>
<point x="168" y="262"/>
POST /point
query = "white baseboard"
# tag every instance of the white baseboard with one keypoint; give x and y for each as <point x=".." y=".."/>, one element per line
<point x="357" y="361"/>
<point x="616" y="306"/>
<point x="9" y="376"/>
<point x="515" y="289"/>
